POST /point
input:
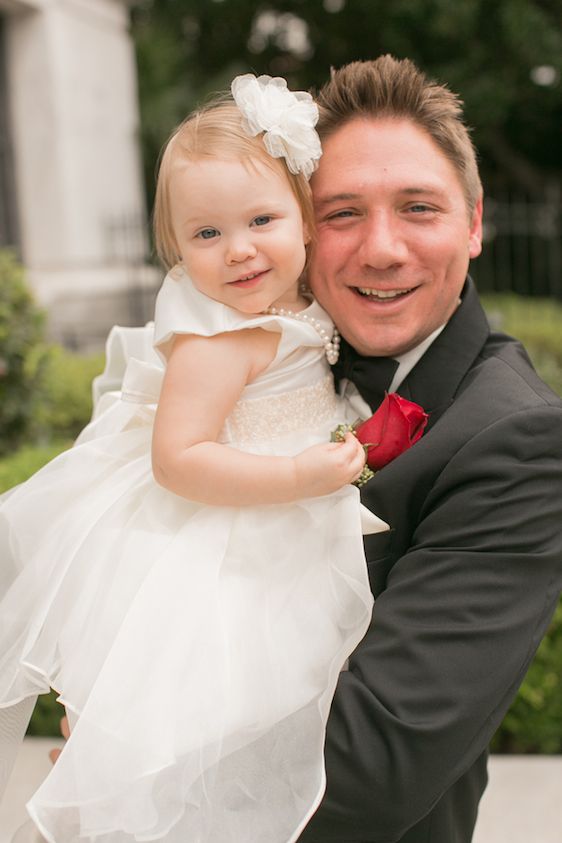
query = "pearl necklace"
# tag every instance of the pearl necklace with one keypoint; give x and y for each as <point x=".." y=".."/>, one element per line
<point x="331" y="343"/>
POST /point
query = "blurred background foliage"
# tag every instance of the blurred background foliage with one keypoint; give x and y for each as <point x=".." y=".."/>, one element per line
<point x="22" y="353"/>
<point x="504" y="58"/>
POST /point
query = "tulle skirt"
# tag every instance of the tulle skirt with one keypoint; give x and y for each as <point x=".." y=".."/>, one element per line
<point x="197" y="647"/>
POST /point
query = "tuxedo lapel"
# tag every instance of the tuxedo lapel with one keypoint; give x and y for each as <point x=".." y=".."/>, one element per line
<point x="434" y="380"/>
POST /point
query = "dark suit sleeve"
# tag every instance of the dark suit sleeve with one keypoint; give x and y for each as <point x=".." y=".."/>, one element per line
<point x="452" y="635"/>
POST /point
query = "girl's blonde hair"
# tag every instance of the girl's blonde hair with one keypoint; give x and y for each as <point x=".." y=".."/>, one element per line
<point x="214" y="131"/>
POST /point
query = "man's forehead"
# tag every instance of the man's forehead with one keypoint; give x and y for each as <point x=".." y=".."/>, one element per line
<point x="391" y="152"/>
<point x="389" y="136"/>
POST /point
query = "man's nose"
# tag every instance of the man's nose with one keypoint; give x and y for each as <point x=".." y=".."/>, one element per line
<point x="382" y="244"/>
<point x="240" y="248"/>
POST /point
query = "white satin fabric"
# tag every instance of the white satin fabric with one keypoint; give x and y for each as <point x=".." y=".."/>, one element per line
<point x="198" y="647"/>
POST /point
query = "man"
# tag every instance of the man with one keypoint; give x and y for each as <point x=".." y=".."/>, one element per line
<point x="467" y="581"/>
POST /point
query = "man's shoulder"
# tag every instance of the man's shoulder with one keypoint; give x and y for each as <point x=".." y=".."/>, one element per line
<point x="504" y="370"/>
<point x="502" y="398"/>
<point x="500" y="394"/>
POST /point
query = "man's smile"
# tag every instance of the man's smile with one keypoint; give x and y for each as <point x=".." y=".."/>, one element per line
<point x="382" y="295"/>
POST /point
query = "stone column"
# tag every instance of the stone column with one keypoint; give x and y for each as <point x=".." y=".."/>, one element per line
<point x="74" y="119"/>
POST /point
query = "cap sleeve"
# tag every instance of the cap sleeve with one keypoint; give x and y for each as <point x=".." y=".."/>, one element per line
<point x="182" y="309"/>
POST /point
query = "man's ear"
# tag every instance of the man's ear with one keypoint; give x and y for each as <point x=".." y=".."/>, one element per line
<point x="475" y="230"/>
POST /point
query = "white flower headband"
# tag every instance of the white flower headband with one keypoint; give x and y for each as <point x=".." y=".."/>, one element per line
<point x="287" y="119"/>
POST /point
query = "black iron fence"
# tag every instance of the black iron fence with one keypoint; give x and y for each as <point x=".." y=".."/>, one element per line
<point x="522" y="249"/>
<point x="128" y="244"/>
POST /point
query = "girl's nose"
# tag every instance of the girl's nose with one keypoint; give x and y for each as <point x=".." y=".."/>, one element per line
<point x="240" y="249"/>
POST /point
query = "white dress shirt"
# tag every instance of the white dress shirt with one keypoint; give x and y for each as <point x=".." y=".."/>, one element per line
<point x="406" y="363"/>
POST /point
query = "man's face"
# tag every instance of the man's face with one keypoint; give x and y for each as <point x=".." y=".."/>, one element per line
<point x="394" y="237"/>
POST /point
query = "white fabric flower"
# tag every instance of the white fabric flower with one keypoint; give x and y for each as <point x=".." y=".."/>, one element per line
<point x="287" y="119"/>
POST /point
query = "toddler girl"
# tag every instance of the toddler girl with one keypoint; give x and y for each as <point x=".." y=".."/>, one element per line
<point x="190" y="576"/>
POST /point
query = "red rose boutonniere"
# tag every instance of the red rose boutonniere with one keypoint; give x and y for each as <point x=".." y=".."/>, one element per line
<point x="396" y="425"/>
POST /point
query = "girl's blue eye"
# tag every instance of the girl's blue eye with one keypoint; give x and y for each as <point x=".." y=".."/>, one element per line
<point x="262" y="220"/>
<point x="208" y="233"/>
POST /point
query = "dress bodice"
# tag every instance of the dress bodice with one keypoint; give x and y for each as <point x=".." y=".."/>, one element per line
<point x="294" y="392"/>
<point x="300" y="358"/>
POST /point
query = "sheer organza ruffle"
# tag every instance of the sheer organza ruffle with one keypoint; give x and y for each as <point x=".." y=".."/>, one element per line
<point x="199" y="647"/>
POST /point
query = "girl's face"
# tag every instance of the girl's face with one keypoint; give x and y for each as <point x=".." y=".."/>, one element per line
<point x="239" y="231"/>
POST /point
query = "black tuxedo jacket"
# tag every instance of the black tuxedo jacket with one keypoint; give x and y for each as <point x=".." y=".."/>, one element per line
<point x="465" y="585"/>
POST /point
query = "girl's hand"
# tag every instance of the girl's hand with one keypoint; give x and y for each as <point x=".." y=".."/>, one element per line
<point x="325" y="468"/>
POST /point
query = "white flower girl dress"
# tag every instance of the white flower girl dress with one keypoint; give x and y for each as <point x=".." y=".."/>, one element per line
<point x="197" y="648"/>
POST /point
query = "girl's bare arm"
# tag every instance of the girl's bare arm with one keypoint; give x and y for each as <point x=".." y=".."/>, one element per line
<point x="205" y="377"/>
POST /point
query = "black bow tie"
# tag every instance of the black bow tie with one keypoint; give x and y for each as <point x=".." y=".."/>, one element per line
<point x="371" y="375"/>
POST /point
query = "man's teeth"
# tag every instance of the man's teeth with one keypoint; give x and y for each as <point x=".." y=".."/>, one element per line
<point x="382" y="294"/>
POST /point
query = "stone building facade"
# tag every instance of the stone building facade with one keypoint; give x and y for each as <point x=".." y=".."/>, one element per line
<point x="71" y="196"/>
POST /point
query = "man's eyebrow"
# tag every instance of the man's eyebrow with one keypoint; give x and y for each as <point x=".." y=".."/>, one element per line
<point x="422" y="188"/>
<point x="414" y="190"/>
<point x="335" y="197"/>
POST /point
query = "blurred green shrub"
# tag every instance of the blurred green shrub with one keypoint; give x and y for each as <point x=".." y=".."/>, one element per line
<point x="64" y="404"/>
<point x="47" y="714"/>
<point x="534" y="721"/>
<point x="538" y="324"/>
<point x="45" y="391"/>
<point x="22" y="353"/>
<point x="26" y="461"/>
